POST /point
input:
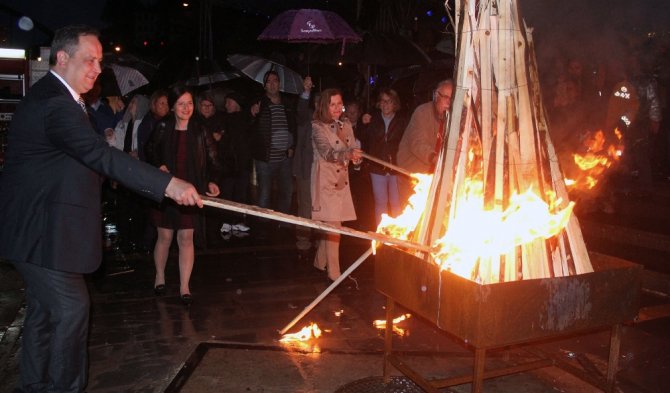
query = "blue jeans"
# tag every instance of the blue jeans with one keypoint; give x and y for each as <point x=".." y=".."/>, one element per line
<point x="387" y="195"/>
<point x="269" y="173"/>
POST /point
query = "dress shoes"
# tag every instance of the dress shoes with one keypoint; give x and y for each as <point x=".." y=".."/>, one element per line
<point x="186" y="299"/>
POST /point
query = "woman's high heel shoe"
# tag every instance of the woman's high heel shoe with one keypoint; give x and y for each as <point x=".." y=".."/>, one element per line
<point x="186" y="299"/>
<point x="159" y="289"/>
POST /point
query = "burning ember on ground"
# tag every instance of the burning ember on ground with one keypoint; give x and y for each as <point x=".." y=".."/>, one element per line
<point x="305" y="334"/>
<point x="381" y="324"/>
<point x="477" y="237"/>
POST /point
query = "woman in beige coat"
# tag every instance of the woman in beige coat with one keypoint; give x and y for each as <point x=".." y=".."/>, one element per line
<point x="334" y="148"/>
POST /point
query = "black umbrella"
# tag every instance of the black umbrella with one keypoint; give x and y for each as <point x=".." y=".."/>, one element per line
<point x="207" y="72"/>
<point x="379" y="49"/>
<point x="124" y="73"/>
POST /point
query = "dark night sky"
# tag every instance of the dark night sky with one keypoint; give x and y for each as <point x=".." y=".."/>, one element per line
<point x="561" y="18"/>
<point x="560" y="26"/>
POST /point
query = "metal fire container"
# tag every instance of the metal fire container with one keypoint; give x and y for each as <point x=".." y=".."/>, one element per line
<point x="497" y="315"/>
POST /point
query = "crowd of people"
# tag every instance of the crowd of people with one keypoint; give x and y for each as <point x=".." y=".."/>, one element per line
<point x="304" y="154"/>
<point x="596" y="104"/>
<point x="156" y="156"/>
<point x="298" y="155"/>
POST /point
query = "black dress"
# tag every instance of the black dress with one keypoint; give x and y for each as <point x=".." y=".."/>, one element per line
<point x="173" y="216"/>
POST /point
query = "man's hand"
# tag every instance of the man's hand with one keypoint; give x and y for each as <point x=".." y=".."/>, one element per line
<point x="110" y="137"/>
<point x="212" y="189"/>
<point x="255" y="108"/>
<point x="183" y="192"/>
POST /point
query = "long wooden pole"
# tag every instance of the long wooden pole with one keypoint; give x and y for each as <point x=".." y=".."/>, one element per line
<point x="387" y="164"/>
<point x="327" y="291"/>
<point x="271" y="214"/>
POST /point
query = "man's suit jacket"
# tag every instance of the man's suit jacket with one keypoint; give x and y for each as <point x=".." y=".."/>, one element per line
<point x="50" y="184"/>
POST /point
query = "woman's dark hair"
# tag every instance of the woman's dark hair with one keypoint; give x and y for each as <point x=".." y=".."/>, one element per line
<point x="67" y="39"/>
<point x="176" y="92"/>
<point x="322" y="112"/>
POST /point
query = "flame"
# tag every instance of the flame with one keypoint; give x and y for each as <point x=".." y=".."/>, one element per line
<point x="475" y="234"/>
<point x="401" y="227"/>
<point x="381" y="324"/>
<point x="305" y="334"/>
<point x="596" y="160"/>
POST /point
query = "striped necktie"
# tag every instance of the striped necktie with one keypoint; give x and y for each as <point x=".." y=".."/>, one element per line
<point x="82" y="104"/>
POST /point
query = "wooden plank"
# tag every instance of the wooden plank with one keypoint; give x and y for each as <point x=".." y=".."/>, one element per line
<point x="486" y="88"/>
<point x="580" y="256"/>
<point x="288" y="218"/>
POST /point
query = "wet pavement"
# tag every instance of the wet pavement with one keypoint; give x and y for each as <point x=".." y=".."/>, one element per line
<point x="247" y="288"/>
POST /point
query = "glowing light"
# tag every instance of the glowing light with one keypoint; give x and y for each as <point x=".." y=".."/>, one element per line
<point x="475" y="236"/>
<point x="305" y="334"/>
<point x="7" y="53"/>
<point x="381" y="324"/>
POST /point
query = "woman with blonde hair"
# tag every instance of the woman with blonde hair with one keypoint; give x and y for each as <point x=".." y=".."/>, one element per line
<point x="381" y="138"/>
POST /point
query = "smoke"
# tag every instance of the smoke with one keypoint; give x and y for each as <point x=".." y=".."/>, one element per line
<point x="594" y="31"/>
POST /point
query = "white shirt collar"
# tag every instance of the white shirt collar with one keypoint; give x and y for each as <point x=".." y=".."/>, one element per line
<point x="75" y="95"/>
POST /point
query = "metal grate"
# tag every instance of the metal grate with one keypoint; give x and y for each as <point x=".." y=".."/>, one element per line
<point x="377" y="385"/>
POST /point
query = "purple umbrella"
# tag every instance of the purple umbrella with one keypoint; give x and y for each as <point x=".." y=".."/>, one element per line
<point x="309" y="25"/>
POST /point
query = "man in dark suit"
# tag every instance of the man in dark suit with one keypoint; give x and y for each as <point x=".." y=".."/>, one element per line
<point x="50" y="209"/>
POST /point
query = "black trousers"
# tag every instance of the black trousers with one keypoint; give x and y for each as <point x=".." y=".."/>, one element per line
<point x="54" y="356"/>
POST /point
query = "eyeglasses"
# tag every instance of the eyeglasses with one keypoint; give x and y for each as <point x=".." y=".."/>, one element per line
<point x="383" y="101"/>
<point x="443" y="96"/>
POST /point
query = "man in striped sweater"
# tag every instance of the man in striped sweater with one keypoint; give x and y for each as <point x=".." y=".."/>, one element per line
<point x="273" y="144"/>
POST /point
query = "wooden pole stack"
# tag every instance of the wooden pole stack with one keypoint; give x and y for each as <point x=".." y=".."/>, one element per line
<point x="497" y="111"/>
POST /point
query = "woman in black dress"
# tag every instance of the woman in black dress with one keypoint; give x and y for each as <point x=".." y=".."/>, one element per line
<point x="181" y="147"/>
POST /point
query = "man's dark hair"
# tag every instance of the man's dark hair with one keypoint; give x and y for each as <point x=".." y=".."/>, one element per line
<point x="67" y="39"/>
<point x="158" y="94"/>
<point x="267" y="74"/>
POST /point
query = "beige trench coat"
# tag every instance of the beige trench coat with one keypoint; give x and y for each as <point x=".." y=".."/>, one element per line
<point x="331" y="195"/>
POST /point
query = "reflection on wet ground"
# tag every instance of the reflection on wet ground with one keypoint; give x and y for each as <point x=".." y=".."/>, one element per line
<point x="246" y="288"/>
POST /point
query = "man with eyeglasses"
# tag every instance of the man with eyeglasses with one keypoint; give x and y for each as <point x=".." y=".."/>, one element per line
<point x="421" y="143"/>
<point x="422" y="140"/>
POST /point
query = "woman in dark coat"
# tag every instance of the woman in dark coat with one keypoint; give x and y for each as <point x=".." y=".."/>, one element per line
<point x="181" y="147"/>
<point x="381" y="139"/>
